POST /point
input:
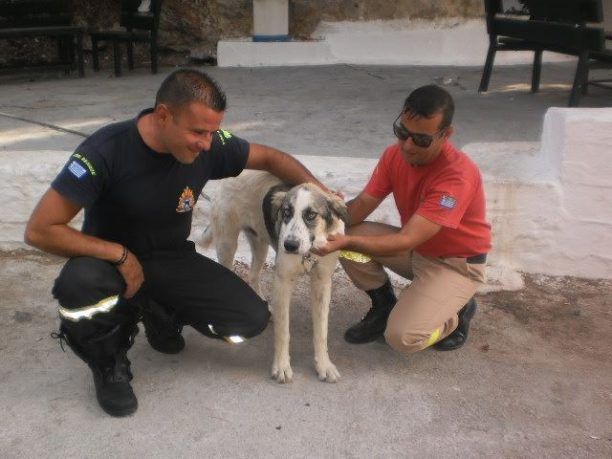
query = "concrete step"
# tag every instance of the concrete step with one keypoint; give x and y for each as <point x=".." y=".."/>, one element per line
<point x="452" y="41"/>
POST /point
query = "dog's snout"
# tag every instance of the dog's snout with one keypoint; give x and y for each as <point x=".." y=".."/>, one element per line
<point x="291" y="245"/>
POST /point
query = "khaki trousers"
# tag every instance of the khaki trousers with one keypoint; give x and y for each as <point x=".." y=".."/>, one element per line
<point x="426" y="310"/>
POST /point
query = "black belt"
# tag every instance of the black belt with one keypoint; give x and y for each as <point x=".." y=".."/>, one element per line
<point x="477" y="259"/>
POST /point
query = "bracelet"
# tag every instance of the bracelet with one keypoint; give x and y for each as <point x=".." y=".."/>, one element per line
<point x="121" y="260"/>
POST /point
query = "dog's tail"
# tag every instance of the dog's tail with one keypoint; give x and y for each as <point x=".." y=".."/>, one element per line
<point x="208" y="236"/>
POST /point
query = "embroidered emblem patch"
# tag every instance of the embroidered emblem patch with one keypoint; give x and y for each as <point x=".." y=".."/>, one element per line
<point x="77" y="170"/>
<point x="223" y="135"/>
<point x="448" y="201"/>
<point x="85" y="161"/>
<point x="186" y="201"/>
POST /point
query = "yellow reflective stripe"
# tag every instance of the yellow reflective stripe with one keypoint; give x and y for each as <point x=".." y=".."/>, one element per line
<point x="87" y="312"/>
<point x="433" y="338"/>
<point x="355" y="256"/>
<point x="234" y="339"/>
<point x="221" y="138"/>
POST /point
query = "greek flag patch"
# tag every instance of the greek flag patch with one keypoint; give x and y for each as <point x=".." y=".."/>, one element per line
<point x="77" y="170"/>
<point x="448" y="201"/>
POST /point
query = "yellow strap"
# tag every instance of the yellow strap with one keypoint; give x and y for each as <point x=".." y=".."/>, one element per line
<point x="433" y="338"/>
<point x="87" y="312"/>
<point x="355" y="256"/>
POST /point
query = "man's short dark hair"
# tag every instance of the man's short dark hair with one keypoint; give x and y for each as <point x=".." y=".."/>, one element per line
<point x="185" y="86"/>
<point x="427" y="101"/>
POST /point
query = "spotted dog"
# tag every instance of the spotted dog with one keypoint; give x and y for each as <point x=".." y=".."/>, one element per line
<point x="292" y="220"/>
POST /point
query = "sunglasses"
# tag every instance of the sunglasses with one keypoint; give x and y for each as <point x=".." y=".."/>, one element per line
<point x="420" y="140"/>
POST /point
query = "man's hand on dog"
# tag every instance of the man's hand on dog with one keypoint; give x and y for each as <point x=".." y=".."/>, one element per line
<point x="334" y="242"/>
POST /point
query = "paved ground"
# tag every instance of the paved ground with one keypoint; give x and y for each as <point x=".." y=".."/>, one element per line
<point x="534" y="379"/>
<point x="330" y="110"/>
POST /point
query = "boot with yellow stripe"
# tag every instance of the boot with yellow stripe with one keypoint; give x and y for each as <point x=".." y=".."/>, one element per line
<point x="459" y="336"/>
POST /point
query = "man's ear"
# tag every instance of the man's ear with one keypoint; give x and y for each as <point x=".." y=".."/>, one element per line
<point x="163" y="113"/>
<point x="449" y="131"/>
<point x="338" y="208"/>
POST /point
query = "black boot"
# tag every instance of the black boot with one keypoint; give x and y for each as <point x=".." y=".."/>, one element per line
<point x="106" y="356"/>
<point x="161" y="328"/>
<point x="373" y="325"/>
<point x="113" y="389"/>
<point x="459" y="336"/>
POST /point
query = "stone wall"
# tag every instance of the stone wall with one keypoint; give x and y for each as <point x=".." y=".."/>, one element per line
<point x="188" y="25"/>
<point x="193" y="27"/>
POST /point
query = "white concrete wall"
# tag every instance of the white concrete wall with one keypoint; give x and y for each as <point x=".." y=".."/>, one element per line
<point x="551" y="207"/>
<point x="394" y="42"/>
<point x="24" y="176"/>
<point x="550" y="204"/>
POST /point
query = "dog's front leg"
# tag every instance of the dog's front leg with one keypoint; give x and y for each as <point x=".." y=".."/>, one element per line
<point x="259" y="251"/>
<point x="320" y="295"/>
<point x="282" y="287"/>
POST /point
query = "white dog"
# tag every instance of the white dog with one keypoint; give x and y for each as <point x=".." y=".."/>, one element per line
<point x="292" y="220"/>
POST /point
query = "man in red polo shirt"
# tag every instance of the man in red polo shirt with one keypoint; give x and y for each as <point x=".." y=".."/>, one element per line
<point x="442" y="244"/>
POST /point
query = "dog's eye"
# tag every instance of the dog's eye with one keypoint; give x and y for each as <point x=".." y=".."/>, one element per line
<point x="286" y="213"/>
<point x="309" y="215"/>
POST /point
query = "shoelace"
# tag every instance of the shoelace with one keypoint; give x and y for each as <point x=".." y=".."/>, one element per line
<point x="61" y="336"/>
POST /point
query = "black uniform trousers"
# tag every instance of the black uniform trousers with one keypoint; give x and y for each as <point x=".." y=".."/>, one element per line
<point x="195" y="289"/>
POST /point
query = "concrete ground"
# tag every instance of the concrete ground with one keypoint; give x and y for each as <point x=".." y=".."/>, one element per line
<point x="533" y="380"/>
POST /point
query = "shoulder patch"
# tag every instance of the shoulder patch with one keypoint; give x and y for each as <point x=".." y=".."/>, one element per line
<point x="77" y="170"/>
<point x="448" y="201"/>
<point x="85" y="161"/>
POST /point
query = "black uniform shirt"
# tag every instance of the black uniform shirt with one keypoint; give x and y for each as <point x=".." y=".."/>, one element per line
<point x="136" y="196"/>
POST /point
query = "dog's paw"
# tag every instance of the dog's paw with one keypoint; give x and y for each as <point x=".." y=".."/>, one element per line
<point x="328" y="372"/>
<point x="282" y="373"/>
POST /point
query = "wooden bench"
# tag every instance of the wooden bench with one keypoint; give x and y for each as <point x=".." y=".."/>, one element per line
<point x="138" y="27"/>
<point x="563" y="26"/>
<point x="44" y="18"/>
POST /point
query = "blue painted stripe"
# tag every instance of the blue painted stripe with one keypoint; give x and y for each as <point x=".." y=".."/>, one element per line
<point x="271" y="38"/>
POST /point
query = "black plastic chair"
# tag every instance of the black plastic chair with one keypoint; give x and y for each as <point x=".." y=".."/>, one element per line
<point x="562" y="26"/>
<point x="598" y="60"/>
<point x="44" y="18"/>
<point x="138" y="27"/>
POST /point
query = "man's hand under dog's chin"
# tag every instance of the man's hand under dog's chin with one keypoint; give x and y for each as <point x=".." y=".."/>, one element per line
<point x="334" y="242"/>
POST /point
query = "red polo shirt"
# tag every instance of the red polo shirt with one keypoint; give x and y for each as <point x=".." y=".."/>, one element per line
<point x="448" y="191"/>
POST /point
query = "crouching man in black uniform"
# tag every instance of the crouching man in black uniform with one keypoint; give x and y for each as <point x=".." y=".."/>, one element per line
<point x="138" y="181"/>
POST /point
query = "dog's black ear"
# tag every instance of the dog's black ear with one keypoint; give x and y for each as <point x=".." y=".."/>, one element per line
<point x="338" y="207"/>
<point x="271" y="206"/>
